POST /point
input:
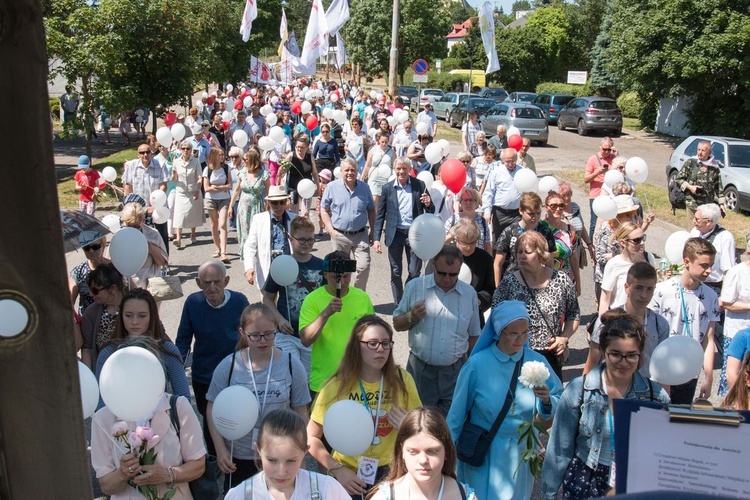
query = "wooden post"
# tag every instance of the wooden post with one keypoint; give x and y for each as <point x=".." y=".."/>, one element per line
<point x="42" y="442"/>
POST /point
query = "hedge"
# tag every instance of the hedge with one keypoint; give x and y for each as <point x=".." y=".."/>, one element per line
<point x="564" y="88"/>
<point x="631" y="105"/>
<point x="443" y="81"/>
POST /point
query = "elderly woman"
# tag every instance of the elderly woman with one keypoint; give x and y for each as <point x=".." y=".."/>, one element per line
<point x="252" y="186"/>
<point x="488" y="390"/>
<point x="480" y="144"/>
<point x="134" y="215"/>
<point x="180" y="455"/>
<point x="550" y="296"/>
<point x="471" y="176"/>
<point x="100" y="318"/>
<point x="482" y="165"/>
<point x="188" y="200"/>
<point x="217" y="184"/>
<point x="469" y="201"/>
<point x="77" y="283"/>
<point x="480" y="263"/>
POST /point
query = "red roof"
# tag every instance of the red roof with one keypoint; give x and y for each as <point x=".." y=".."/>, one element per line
<point x="460" y="30"/>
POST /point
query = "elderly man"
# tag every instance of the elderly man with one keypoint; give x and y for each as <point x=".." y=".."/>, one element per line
<point x="706" y="225"/>
<point x="499" y="141"/>
<point x="429" y="118"/>
<point x="143" y="176"/>
<point x="500" y="197"/>
<point x="268" y="237"/>
<point x="257" y="122"/>
<point x="347" y="208"/>
<point x="240" y="124"/>
<point x="700" y="179"/>
<point x="401" y="201"/>
<point x="211" y="317"/>
<point x="596" y="166"/>
<point x="403" y="138"/>
<point x="441" y="314"/>
<point x="201" y="145"/>
<point x="327" y="317"/>
<point x="524" y="158"/>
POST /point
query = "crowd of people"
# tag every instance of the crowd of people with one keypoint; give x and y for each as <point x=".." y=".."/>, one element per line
<point x="316" y="341"/>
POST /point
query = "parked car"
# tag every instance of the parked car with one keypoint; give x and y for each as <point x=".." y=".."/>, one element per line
<point x="551" y="104"/>
<point x="521" y="97"/>
<point x="427" y="95"/>
<point x="591" y="113"/>
<point x="496" y="94"/>
<point x="459" y="113"/>
<point x="443" y="106"/>
<point x="527" y="118"/>
<point x="407" y="93"/>
<point x="734" y="158"/>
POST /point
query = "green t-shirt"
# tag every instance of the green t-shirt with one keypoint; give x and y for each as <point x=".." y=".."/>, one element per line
<point x="328" y="349"/>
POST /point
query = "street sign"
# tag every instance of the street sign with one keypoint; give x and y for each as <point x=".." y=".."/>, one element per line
<point x="420" y="67"/>
<point x="419" y="79"/>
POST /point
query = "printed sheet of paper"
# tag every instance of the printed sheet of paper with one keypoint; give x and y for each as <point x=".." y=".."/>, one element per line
<point x="698" y="458"/>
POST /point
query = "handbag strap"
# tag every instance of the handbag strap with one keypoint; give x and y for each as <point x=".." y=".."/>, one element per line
<point x="536" y="304"/>
<point x="508" y="400"/>
<point x="173" y="414"/>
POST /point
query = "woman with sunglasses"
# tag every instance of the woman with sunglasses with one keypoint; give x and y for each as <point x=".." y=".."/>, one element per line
<point x="188" y="199"/>
<point x="632" y="243"/>
<point x="565" y="238"/>
<point x="278" y="380"/>
<point x="107" y="287"/>
<point x="326" y="149"/>
<point x="581" y="449"/>
<point x="252" y="185"/>
<point x="369" y="374"/>
<point x="77" y="281"/>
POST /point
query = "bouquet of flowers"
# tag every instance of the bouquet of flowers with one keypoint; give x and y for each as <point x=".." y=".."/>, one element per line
<point x="138" y="442"/>
<point x="533" y="374"/>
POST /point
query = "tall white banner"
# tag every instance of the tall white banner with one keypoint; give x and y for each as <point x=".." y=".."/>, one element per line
<point x="283" y="31"/>
<point x="251" y="12"/>
<point x="316" y="38"/>
<point x="260" y="72"/>
<point x="487" y="27"/>
<point x="340" y="52"/>
<point x="336" y="15"/>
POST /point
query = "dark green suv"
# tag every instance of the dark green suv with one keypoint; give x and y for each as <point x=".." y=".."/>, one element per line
<point x="551" y="104"/>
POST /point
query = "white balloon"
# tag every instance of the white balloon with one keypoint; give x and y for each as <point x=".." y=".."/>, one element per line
<point x="391" y="121"/>
<point x="253" y="91"/>
<point x="372" y="132"/>
<point x="348" y="428"/>
<point x="636" y="169"/>
<point x="109" y="174"/>
<point x="274" y="100"/>
<point x="234" y="412"/>
<point x="340" y="116"/>
<point x="132" y="382"/>
<point x="178" y="131"/>
<point x="230" y="87"/>
<point x="226" y="116"/>
<point x="138" y="119"/>
<point x="306" y="107"/>
<point x="612" y="177"/>
<point x="108" y="121"/>
<point x="512" y="131"/>
<point x="337" y="172"/>
<point x="465" y="274"/>
<point x="677" y="360"/>
<point x="89" y="390"/>
<point x="138" y="112"/>
<point x="306" y="189"/>
<point x="433" y="153"/>
<point x="266" y="110"/>
<point x="112" y="222"/>
<point x="355" y="146"/>
<point x="247" y="101"/>
<point x="427" y="236"/>
<point x="605" y="207"/>
<point x="445" y="146"/>
<point x="164" y="136"/>
<point x="161" y="215"/>
<point x="373" y="94"/>
<point x="276" y="134"/>
<point x="266" y="144"/>
<point x="526" y="181"/>
<point x="128" y="250"/>
<point x="239" y="138"/>
<point x="204" y="95"/>
<point x="674" y="246"/>
<point x="401" y="116"/>
<point x="284" y="269"/>
<point x="199" y="103"/>
<point x="271" y="119"/>
<point x="547" y="184"/>
<point x="384" y="170"/>
<point x="328" y="112"/>
<point x="158" y="198"/>
<point x="427" y="178"/>
<point x="421" y="128"/>
<point x="333" y="97"/>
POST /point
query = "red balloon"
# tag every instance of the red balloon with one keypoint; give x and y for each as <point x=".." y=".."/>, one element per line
<point x="224" y="125"/>
<point x="297" y="107"/>
<point x="170" y="119"/>
<point x="311" y="122"/>
<point x="287" y="92"/>
<point x="102" y="184"/>
<point x="453" y="174"/>
<point x="210" y="101"/>
<point x="515" y="142"/>
<point x="238" y="105"/>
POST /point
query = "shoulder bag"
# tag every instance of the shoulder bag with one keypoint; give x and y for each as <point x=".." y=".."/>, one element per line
<point x="165" y="287"/>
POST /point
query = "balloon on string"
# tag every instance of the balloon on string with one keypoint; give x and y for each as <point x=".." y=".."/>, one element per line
<point x="515" y="142"/>
<point x="445" y="146"/>
<point x="238" y="105"/>
<point x="513" y="131"/>
<point x="612" y="177"/>
<point x="546" y="184"/>
<point x="296" y="107"/>
<point x="355" y="146"/>
<point x="427" y="236"/>
<point x="674" y="246"/>
<point x="253" y="91"/>
<point x="199" y="103"/>
<point x="239" y="138"/>
<point x="271" y="119"/>
<point x="266" y="110"/>
<point x="138" y="119"/>
<point x="89" y="390"/>
<point x="112" y="222"/>
<point x="328" y="113"/>
<point x="128" y="250"/>
<point x="224" y="125"/>
<point x="676" y="360"/>
<point x="421" y="128"/>
<point x="337" y="172"/>
<point x="157" y="198"/>
<point x="384" y="169"/>
<point x="210" y="101"/>
<point x="426" y="177"/>
<point x="132" y="382"/>
<point x="276" y="134"/>
<point x="348" y="427"/>
<point x="636" y="169"/>
<point x="204" y="95"/>
<point x="247" y="101"/>
<point x="266" y="144"/>
<point x="391" y="121"/>
<point x="235" y="412"/>
<point x="465" y="274"/>
<point x="604" y="207"/>
<point x="453" y="175"/>
<point x="109" y="174"/>
<point x="311" y="122"/>
<point x="401" y="116"/>
<point x="274" y="100"/>
<point x="229" y="87"/>
<point x="340" y="116"/>
<point x="178" y="131"/>
<point x="333" y="97"/>
<point x="373" y="94"/>
<point x="526" y="181"/>
<point x="160" y="215"/>
<point x="170" y="119"/>
<point x="306" y="189"/>
<point x="433" y="153"/>
<point x="372" y="131"/>
<point x="164" y="136"/>
<point x="226" y="116"/>
<point x="108" y="121"/>
<point x="284" y="269"/>
<point x="306" y="107"/>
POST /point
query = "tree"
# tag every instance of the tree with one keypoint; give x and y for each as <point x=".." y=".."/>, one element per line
<point x="459" y="13"/>
<point x="469" y="52"/>
<point x="520" y="5"/>
<point x="603" y="80"/>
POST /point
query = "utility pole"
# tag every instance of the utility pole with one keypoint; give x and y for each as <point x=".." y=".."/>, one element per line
<point x="393" y="66"/>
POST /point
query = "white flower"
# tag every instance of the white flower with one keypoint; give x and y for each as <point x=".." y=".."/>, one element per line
<point x="533" y="374"/>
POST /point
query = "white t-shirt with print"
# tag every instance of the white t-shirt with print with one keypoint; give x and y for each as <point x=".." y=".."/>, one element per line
<point x="736" y="288"/>
<point x="701" y="304"/>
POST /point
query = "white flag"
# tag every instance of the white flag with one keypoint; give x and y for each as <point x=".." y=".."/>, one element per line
<point x="336" y="15"/>
<point x="316" y="38"/>
<point x="251" y="12"/>
<point x="259" y="71"/>
<point x="283" y="31"/>
<point x="292" y="45"/>
<point x="340" y="52"/>
<point x="487" y="27"/>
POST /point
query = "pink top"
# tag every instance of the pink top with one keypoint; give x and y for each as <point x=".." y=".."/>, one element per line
<point x="105" y="456"/>
<point x="595" y="186"/>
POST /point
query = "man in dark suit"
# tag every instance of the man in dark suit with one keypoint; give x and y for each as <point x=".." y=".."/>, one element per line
<point x="401" y="201"/>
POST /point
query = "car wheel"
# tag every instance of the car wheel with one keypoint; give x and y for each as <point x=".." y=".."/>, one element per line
<point x="560" y="124"/>
<point x="617" y="133"/>
<point x="447" y="115"/>
<point x="732" y="199"/>
<point x="542" y="143"/>
<point x="582" y="128"/>
<point x="672" y="177"/>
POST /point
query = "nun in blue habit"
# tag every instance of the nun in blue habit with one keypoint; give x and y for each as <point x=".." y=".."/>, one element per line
<point x="480" y="393"/>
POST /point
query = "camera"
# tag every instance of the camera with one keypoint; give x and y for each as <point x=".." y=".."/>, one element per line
<point x="342" y="266"/>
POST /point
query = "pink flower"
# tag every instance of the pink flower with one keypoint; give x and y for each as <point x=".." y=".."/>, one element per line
<point x="135" y="441"/>
<point x="145" y="433"/>
<point x="119" y="429"/>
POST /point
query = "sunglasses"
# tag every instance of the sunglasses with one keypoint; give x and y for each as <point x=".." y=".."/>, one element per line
<point x="276" y="202"/>
<point x="144" y="152"/>
<point x="555" y="206"/>
<point x="92" y="248"/>
<point x="607" y="149"/>
<point x="637" y="241"/>
<point x="95" y="291"/>
<point x="186" y="149"/>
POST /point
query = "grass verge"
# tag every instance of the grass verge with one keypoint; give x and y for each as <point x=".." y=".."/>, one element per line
<point x="66" y="186"/>
<point x="656" y="200"/>
<point x="445" y="131"/>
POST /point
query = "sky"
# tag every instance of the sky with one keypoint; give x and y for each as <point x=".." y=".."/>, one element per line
<point x="507" y="5"/>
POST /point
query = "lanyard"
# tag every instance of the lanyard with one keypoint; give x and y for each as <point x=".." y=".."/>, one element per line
<point x="685" y="317"/>
<point x="375" y="438"/>
<point x="611" y="432"/>
<point x="268" y="379"/>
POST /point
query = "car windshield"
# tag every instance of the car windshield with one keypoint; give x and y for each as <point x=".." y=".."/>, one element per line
<point x="407" y="91"/>
<point x="529" y="113"/>
<point x="495" y="92"/>
<point x="463" y="97"/>
<point x="432" y="92"/>
<point x="739" y="155"/>
<point x="480" y="105"/>
<point x="525" y="97"/>
<point x="562" y="100"/>
<point x="603" y="105"/>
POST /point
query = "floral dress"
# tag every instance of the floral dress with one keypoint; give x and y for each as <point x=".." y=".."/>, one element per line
<point x="251" y="201"/>
<point x="565" y="242"/>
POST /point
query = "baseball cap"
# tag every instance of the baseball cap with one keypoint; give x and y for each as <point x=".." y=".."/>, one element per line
<point x="84" y="161"/>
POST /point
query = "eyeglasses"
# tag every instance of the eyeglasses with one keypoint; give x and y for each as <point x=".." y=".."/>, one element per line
<point x="325" y="131"/>
<point x="206" y="125"/>
<point x="517" y="335"/>
<point x="255" y="337"/>
<point x="637" y="241"/>
<point x="92" y="248"/>
<point x="186" y="149"/>
<point x="234" y="157"/>
<point x="555" y="206"/>
<point x="446" y="275"/>
<point x="374" y="344"/>
<point x="303" y="241"/>
<point x="608" y="150"/>
<point x="144" y="152"/>
<point x="276" y="203"/>
<point x="616" y="357"/>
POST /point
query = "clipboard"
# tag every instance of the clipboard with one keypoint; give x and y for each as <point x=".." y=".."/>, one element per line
<point x="701" y="412"/>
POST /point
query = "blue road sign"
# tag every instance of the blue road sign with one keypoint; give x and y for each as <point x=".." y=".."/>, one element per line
<point x="420" y="67"/>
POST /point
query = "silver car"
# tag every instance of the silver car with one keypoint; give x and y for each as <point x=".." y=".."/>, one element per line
<point x="586" y="114"/>
<point x="734" y="158"/>
<point x="528" y="118"/>
<point x="443" y="106"/>
<point x="425" y="96"/>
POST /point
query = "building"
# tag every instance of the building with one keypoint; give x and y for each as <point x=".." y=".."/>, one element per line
<point x="458" y="33"/>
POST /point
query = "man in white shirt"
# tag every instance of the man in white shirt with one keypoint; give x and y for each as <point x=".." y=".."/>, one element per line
<point x="428" y="116"/>
<point x="403" y="138"/>
<point x="500" y="197"/>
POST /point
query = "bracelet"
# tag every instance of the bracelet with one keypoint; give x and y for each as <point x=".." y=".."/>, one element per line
<point x="409" y="317"/>
<point x="170" y="473"/>
<point x="335" y="468"/>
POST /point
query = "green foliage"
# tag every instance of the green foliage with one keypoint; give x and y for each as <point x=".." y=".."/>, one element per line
<point x="630" y="104"/>
<point x="563" y="88"/>
<point x="602" y="78"/>
<point x="54" y="107"/>
<point x="458" y="13"/>
<point x="470" y="52"/>
<point x="443" y="81"/>
<point x="423" y="27"/>
<point x="520" y="5"/>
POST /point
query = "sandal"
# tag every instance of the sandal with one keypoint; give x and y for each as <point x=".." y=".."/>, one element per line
<point x="225" y="259"/>
<point x="216" y="254"/>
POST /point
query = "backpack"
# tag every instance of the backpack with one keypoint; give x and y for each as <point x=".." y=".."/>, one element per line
<point x="676" y="196"/>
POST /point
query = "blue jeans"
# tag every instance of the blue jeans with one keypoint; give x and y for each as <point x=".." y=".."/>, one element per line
<point x="396" y="250"/>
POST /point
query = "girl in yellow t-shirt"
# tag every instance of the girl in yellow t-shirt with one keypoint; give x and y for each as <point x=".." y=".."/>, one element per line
<point x="367" y="374"/>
